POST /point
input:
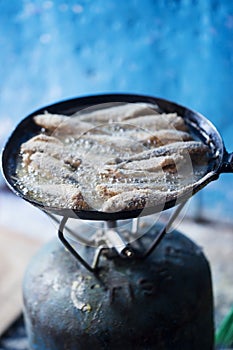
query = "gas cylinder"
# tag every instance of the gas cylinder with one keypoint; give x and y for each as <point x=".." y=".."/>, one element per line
<point x="161" y="302"/>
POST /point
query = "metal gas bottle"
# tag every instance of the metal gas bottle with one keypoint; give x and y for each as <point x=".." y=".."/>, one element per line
<point x="162" y="302"/>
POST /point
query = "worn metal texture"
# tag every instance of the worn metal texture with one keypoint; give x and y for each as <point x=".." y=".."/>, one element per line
<point x="163" y="302"/>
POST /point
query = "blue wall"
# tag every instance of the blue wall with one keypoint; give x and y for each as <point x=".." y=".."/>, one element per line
<point x="181" y="50"/>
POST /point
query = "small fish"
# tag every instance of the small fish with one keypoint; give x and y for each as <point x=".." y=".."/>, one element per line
<point x="118" y="144"/>
<point x="106" y="191"/>
<point x="144" y="198"/>
<point x="48" y="168"/>
<point x="59" y="195"/>
<point x="111" y="112"/>
<point x="159" y="121"/>
<point x="165" y="163"/>
<point x="188" y="147"/>
<point x="111" y="157"/>
<point x="64" y="126"/>
<point x="51" y="146"/>
<point x="164" y="137"/>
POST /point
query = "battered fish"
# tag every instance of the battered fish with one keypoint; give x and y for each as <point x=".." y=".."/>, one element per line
<point x="117" y="112"/>
<point x="139" y="199"/>
<point x="51" y="146"/>
<point x="188" y="147"/>
<point x="111" y="157"/>
<point x="160" y="121"/>
<point x="63" y="126"/>
<point x="48" y="168"/>
<point x="59" y="195"/>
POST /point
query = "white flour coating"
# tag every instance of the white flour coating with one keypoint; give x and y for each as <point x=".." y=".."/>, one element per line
<point x="112" y="158"/>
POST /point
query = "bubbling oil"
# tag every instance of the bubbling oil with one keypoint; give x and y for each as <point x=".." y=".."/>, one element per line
<point x="100" y="151"/>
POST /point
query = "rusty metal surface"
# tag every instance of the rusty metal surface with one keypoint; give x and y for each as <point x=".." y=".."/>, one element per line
<point x="164" y="303"/>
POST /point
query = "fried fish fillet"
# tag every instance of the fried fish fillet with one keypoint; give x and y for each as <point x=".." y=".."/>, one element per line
<point x="108" y="190"/>
<point x="50" y="121"/>
<point x="44" y="144"/>
<point x="164" y="137"/>
<point x="112" y="157"/>
<point x="160" y="121"/>
<point x="85" y="120"/>
<point x="117" y="112"/>
<point x="188" y="147"/>
<point x="165" y="163"/>
<point x="143" y="198"/>
<point x="147" y="171"/>
<point x="49" y="168"/>
<point x="59" y="195"/>
<point x="51" y="146"/>
<point x="117" y="144"/>
<point x="61" y="125"/>
<point x="147" y="138"/>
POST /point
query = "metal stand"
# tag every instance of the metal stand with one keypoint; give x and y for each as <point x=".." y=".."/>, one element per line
<point x="112" y="240"/>
<point x="164" y="230"/>
<point x="70" y="248"/>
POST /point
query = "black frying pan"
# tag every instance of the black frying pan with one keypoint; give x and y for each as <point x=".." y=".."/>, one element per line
<point x="221" y="160"/>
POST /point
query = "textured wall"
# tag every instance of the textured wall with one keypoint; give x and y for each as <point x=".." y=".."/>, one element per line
<point x="181" y="50"/>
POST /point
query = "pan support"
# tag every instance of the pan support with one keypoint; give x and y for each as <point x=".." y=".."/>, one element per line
<point x="110" y="240"/>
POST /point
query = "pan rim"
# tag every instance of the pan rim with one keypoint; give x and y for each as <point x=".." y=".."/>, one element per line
<point x="116" y="97"/>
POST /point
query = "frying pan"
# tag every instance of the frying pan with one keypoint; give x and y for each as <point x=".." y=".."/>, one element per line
<point x="221" y="161"/>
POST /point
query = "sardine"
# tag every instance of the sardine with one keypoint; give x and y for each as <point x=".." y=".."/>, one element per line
<point x="159" y="121"/>
<point x="118" y="144"/>
<point x="50" y="121"/>
<point x="59" y="196"/>
<point x="50" y="168"/>
<point x="111" y="158"/>
<point x="147" y="139"/>
<point x="108" y="190"/>
<point x="164" y="137"/>
<point x="116" y="112"/>
<point x="42" y="143"/>
<point x="139" y="199"/>
<point x="162" y="172"/>
<point x="64" y="126"/>
<point x="51" y="146"/>
<point x="182" y="148"/>
<point x="165" y="163"/>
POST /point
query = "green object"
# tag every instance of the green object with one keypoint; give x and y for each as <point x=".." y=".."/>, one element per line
<point x="224" y="335"/>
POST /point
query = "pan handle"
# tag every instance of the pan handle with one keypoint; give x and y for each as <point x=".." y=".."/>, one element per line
<point x="227" y="164"/>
